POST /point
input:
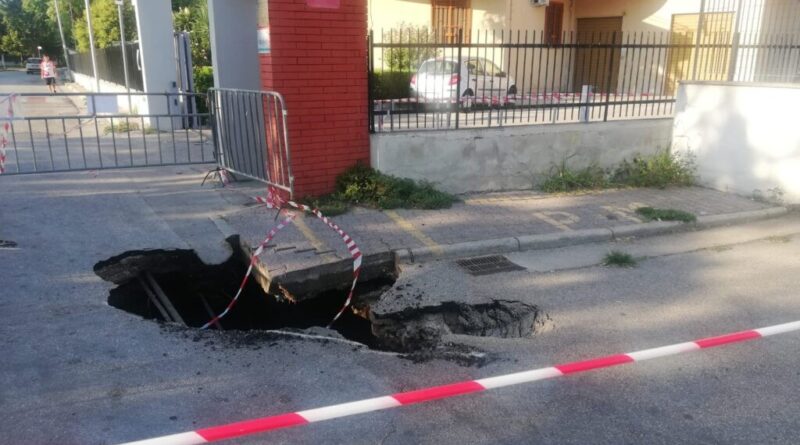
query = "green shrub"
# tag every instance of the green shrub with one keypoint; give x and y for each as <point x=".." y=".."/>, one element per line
<point x="124" y="126"/>
<point x="652" y="214"/>
<point x="203" y="80"/>
<point x="365" y="186"/>
<point x="391" y="85"/>
<point x="659" y="170"/>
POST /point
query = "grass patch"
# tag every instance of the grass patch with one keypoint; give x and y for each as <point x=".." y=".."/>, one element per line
<point x="564" y="179"/>
<point x="660" y="170"/>
<point x="127" y="127"/>
<point x="651" y="214"/>
<point x="360" y="185"/>
<point x="619" y="259"/>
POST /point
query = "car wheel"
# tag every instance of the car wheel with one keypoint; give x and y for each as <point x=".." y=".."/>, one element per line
<point x="512" y="90"/>
<point x="468" y="94"/>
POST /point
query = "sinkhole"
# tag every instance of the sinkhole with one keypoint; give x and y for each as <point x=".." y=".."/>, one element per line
<point x="176" y="286"/>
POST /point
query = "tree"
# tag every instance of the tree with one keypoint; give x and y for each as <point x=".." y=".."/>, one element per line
<point x="27" y="25"/>
<point x="192" y="16"/>
<point x="105" y="23"/>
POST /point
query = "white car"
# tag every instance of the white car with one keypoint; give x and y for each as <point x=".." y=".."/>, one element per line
<point x="438" y="79"/>
<point x="33" y="65"/>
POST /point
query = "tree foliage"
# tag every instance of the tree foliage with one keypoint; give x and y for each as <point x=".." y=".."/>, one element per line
<point x="192" y="16"/>
<point x="105" y="23"/>
<point x="26" y="25"/>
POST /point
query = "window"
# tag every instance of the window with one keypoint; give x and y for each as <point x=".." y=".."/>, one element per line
<point x="449" y="17"/>
<point x="553" y="21"/>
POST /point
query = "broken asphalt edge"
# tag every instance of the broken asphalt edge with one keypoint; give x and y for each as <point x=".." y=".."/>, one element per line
<point x="575" y="237"/>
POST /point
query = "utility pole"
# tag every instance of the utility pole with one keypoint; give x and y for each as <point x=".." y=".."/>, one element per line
<point x="91" y="46"/>
<point x="61" y="31"/>
<point x="120" y="4"/>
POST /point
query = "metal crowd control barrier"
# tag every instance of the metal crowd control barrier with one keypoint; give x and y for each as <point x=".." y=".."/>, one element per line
<point x="89" y="131"/>
<point x="250" y="135"/>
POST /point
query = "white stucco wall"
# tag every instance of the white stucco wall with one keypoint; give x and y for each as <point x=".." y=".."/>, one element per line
<point x="745" y="137"/>
<point x="637" y="15"/>
<point x="233" y="26"/>
<point x="516" y="157"/>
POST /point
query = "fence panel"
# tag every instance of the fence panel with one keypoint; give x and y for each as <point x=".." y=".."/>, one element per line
<point x="109" y="65"/>
<point x="417" y="81"/>
<point x="88" y="131"/>
<point x="250" y="135"/>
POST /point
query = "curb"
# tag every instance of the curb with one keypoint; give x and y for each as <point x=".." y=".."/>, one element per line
<point x="586" y="236"/>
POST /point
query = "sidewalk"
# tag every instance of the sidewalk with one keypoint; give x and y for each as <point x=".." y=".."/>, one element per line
<point x="481" y="224"/>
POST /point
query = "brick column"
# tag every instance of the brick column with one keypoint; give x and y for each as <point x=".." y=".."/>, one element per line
<point x="318" y="61"/>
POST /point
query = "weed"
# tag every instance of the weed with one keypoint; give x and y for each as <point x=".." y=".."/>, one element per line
<point x="619" y="259"/>
<point x="651" y="214"/>
<point x="361" y="185"/>
<point x="659" y="170"/>
<point x="127" y="127"/>
<point x="564" y="179"/>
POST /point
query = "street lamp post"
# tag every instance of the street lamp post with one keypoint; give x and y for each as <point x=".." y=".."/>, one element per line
<point x="91" y="46"/>
<point x="61" y="32"/>
<point x="39" y="49"/>
<point x="122" y="44"/>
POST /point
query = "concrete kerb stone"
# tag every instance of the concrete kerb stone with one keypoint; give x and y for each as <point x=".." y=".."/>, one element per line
<point x="587" y="236"/>
<point x="706" y="222"/>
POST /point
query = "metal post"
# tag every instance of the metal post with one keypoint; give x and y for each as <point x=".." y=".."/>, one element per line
<point x="370" y="101"/>
<point x="120" y="4"/>
<point x="736" y="41"/>
<point x="61" y="32"/>
<point x="91" y="45"/>
<point x="697" y="38"/>
<point x="122" y="45"/>
<point x="610" y="74"/>
<point x="458" y="85"/>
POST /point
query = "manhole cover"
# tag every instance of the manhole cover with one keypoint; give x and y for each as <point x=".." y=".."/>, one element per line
<point x="487" y="265"/>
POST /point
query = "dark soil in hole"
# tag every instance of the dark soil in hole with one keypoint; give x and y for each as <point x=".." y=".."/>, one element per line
<point x="186" y="281"/>
<point x="196" y="291"/>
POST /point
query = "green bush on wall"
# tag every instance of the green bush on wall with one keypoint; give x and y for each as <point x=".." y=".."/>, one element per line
<point x="203" y="80"/>
<point x="391" y="85"/>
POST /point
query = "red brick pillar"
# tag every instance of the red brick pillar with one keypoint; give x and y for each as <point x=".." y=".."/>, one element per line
<point x="318" y="60"/>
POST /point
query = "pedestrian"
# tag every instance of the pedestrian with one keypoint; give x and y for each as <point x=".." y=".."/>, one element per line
<point x="48" y="73"/>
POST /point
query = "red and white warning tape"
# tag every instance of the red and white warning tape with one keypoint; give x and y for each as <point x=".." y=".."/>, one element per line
<point x="253" y="260"/>
<point x="274" y="201"/>
<point x="5" y="128"/>
<point x="287" y="420"/>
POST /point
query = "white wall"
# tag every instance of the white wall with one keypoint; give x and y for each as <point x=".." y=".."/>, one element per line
<point x="745" y="136"/>
<point x="517" y="157"/>
<point x="234" y="48"/>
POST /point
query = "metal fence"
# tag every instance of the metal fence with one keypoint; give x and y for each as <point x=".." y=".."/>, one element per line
<point x="524" y="77"/>
<point x="250" y="135"/>
<point x="87" y="131"/>
<point x="109" y="65"/>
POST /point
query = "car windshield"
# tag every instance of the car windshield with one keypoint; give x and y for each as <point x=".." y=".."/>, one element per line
<point x="438" y="67"/>
<point x="34" y="60"/>
<point x="491" y="68"/>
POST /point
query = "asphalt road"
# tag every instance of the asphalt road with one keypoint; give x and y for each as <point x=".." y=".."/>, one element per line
<point x="77" y="371"/>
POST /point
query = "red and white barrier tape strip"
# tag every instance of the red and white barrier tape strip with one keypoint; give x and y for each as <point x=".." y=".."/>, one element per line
<point x="274" y="201"/>
<point x="253" y="259"/>
<point x="4" y="130"/>
<point x="287" y="420"/>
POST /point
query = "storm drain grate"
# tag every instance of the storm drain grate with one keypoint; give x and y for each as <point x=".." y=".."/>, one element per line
<point x="487" y="265"/>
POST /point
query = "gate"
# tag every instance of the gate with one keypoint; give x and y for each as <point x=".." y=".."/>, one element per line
<point x="89" y="131"/>
<point x="250" y="135"/>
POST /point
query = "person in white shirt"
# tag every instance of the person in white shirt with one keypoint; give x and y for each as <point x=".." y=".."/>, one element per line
<point x="48" y="69"/>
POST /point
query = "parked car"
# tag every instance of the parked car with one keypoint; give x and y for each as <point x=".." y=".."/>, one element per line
<point x="33" y="65"/>
<point x="440" y="78"/>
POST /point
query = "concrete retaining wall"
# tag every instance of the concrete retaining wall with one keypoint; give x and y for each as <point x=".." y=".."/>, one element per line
<point x="744" y="137"/>
<point x="518" y="157"/>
